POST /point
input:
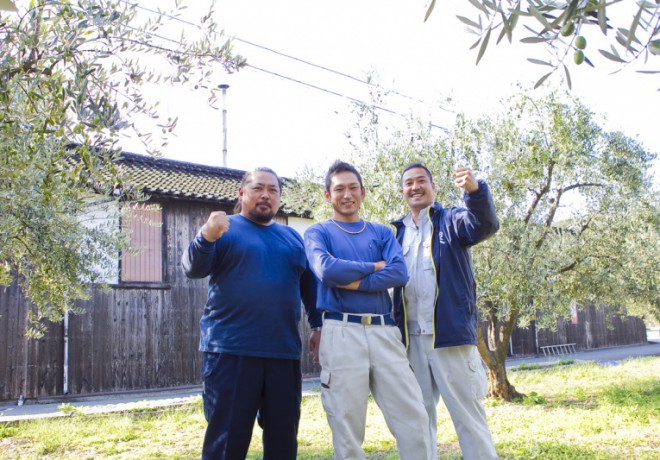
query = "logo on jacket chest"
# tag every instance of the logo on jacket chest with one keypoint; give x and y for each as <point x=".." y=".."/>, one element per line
<point x="441" y="238"/>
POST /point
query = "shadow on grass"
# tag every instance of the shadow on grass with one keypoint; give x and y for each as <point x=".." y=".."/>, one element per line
<point x="554" y="451"/>
<point x="638" y="394"/>
<point x="644" y="397"/>
<point x="445" y="452"/>
<point x="326" y="454"/>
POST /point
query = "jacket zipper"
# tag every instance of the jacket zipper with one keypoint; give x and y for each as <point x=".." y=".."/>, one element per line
<point x="435" y="272"/>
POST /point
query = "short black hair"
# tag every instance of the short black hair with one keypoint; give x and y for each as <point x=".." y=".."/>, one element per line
<point x="247" y="177"/>
<point x="338" y="167"/>
<point x="416" y="165"/>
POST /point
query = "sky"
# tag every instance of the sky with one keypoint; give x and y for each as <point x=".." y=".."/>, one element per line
<point x="284" y="123"/>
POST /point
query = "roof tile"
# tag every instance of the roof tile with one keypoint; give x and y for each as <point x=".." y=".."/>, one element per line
<point x="173" y="178"/>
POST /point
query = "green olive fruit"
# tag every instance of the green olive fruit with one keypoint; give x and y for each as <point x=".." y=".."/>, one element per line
<point x="578" y="57"/>
<point x="568" y="29"/>
<point x="580" y="42"/>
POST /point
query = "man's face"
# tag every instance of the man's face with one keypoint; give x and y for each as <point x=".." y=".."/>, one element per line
<point x="260" y="197"/>
<point x="346" y="195"/>
<point x="417" y="189"/>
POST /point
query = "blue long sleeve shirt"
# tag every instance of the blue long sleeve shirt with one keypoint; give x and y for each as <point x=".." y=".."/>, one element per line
<point x="339" y="258"/>
<point x="257" y="278"/>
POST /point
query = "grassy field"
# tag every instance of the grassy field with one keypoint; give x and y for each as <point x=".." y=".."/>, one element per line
<point x="572" y="411"/>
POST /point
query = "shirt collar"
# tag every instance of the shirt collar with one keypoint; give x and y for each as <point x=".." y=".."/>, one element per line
<point x="423" y="219"/>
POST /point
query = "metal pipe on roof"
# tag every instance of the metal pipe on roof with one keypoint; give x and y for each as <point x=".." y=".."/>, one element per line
<point x="224" y="87"/>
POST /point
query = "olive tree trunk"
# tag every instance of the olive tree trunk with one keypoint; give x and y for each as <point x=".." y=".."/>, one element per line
<point x="493" y="349"/>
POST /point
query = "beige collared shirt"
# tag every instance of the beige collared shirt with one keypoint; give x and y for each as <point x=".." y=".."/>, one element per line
<point x="420" y="290"/>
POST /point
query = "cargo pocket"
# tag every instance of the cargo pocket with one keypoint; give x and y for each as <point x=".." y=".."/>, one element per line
<point x="478" y="378"/>
<point x="209" y="365"/>
<point x="325" y="379"/>
<point x="326" y="396"/>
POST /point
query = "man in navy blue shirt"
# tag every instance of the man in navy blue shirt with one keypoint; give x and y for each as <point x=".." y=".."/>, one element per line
<point x="360" y="347"/>
<point x="258" y="275"/>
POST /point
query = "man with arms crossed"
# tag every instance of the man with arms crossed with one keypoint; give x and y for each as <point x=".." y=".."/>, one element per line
<point x="437" y="311"/>
<point x="360" y="346"/>
<point x="249" y="330"/>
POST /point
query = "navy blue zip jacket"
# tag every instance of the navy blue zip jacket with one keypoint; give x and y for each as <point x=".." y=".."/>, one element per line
<point x="455" y="230"/>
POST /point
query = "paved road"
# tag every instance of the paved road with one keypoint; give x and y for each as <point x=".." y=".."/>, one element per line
<point x="603" y="355"/>
<point x="127" y="401"/>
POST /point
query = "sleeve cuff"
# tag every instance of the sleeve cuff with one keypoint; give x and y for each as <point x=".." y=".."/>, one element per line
<point x="199" y="238"/>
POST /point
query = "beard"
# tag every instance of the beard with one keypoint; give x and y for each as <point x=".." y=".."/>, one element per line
<point x="259" y="216"/>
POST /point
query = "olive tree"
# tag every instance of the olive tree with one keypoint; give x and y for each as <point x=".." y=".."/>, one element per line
<point x="573" y="202"/>
<point x="71" y="74"/>
<point x="579" y="224"/>
<point x="558" y="26"/>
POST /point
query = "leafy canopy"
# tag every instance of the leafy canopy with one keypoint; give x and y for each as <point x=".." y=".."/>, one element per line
<point x="579" y="217"/>
<point x="575" y="201"/>
<point x="72" y="73"/>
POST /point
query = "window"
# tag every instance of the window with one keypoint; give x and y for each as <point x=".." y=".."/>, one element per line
<point x="143" y="262"/>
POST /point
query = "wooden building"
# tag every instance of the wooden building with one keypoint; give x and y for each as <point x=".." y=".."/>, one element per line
<point x="143" y="333"/>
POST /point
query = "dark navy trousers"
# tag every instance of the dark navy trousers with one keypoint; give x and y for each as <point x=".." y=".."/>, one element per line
<point x="238" y="389"/>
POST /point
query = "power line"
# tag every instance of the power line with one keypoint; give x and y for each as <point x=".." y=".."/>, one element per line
<point x="285" y="77"/>
<point x="279" y="53"/>
<point x="323" y="68"/>
<point x="316" y="87"/>
<point x="334" y="93"/>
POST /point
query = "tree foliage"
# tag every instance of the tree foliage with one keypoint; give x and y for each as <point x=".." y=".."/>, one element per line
<point x="574" y="202"/>
<point x="560" y="26"/>
<point x="72" y="73"/>
<point x="579" y="222"/>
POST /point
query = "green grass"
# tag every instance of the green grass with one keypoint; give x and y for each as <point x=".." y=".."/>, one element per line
<point x="578" y="411"/>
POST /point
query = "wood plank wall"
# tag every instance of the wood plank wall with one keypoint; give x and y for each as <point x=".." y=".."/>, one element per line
<point x="596" y="328"/>
<point x="128" y="338"/>
<point x="27" y="367"/>
<point x="145" y="338"/>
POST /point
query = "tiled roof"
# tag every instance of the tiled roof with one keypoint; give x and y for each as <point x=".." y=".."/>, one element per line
<point x="179" y="179"/>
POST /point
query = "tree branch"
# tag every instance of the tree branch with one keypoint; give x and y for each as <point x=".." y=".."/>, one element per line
<point x="540" y="193"/>
<point x="586" y="184"/>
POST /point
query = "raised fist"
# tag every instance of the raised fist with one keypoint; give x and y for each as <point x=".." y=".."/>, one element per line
<point x="216" y="226"/>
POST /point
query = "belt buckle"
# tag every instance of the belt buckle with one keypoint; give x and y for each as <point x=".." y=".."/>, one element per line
<point x="366" y="320"/>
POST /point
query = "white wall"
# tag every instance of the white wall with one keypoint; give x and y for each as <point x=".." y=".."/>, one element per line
<point x="300" y="224"/>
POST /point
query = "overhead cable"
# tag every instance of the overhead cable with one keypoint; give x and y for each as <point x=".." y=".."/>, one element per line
<point x="288" y="56"/>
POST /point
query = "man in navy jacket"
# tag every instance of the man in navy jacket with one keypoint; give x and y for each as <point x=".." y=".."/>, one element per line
<point x="436" y="310"/>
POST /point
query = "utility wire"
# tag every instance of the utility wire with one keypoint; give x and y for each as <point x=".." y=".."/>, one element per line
<point x="279" y="53"/>
<point x="310" y="85"/>
<point x="327" y="69"/>
<point x="294" y="80"/>
<point x="334" y="93"/>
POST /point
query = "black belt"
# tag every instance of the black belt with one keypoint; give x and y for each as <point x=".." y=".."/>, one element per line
<point x="365" y="320"/>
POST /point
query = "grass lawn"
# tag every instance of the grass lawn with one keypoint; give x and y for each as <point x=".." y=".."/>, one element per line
<point x="574" y="411"/>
